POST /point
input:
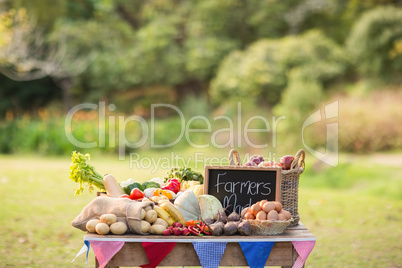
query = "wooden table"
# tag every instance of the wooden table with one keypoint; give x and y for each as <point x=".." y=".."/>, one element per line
<point x="132" y="253"/>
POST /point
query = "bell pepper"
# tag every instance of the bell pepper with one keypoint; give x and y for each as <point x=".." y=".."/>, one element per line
<point x="160" y="192"/>
<point x="192" y="222"/>
<point x="136" y="194"/>
<point x="172" y="185"/>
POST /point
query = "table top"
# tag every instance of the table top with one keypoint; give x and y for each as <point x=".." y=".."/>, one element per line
<point x="294" y="233"/>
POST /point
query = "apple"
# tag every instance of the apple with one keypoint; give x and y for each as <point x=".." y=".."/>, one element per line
<point x="266" y="164"/>
<point x="250" y="164"/>
<point x="257" y="159"/>
<point x="286" y="161"/>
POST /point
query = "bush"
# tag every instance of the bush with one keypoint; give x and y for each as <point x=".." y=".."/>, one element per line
<point x="368" y="124"/>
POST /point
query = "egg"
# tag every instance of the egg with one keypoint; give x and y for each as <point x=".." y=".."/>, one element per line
<point x="249" y="216"/>
<point x="286" y="213"/>
<point x="261" y="216"/>
<point x="268" y="206"/>
<point x="272" y="215"/>
<point x="281" y="217"/>
<point x="262" y="202"/>
<point x="278" y="206"/>
<point x="244" y="211"/>
<point x="255" y="209"/>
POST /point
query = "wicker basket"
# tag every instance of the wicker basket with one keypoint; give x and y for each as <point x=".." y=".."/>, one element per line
<point x="290" y="187"/>
<point x="268" y="227"/>
<point x="290" y="183"/>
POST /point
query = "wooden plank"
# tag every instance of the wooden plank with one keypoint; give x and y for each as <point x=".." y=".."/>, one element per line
<point x="287" y="236"/>
<point x="293" y="233"/>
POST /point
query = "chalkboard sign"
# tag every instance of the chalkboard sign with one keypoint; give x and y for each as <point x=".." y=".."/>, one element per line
<point x="240" y="187"/>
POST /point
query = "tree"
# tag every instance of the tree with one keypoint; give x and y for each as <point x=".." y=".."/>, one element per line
<point x="27" y="54"/>
<point x="261" y="71"/>
<point x="375" y="42"/>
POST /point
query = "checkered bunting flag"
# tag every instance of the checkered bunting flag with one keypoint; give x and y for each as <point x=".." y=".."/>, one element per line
<point x="210" y="253"/>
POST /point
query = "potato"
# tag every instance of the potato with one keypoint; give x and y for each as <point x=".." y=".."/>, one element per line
<point x="143" y="212"/>
<point x="161" y="222"/>
<point x="151" y="216"/>
<point x="109" y="219"/>
<point x="102" y="228"/>
<point x="145" y="226"/>
<point x="147" y="208"/>
<point x="91" y="225"/>
<point x="118" y="228"/>
<point x="157" y="229"/>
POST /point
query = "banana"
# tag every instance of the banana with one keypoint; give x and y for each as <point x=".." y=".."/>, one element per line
<point x="164" y="215"/>
<point x="173" y="211"/>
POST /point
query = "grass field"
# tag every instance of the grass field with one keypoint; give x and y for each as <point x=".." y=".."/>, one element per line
<point x="355" y="209"/>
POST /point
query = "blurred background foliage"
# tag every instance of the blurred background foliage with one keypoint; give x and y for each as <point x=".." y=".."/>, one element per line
<point x="277" y="57"/>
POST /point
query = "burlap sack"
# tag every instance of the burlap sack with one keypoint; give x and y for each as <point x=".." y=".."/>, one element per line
<point x="126" y="210"/>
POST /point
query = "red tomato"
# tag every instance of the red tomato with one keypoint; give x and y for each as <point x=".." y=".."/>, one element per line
<point x="124" y="196"/>
<point x="136" y="194"/>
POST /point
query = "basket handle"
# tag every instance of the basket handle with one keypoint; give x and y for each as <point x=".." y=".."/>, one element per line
<point x="298" y="162"/>
<point x="234" y="156"/>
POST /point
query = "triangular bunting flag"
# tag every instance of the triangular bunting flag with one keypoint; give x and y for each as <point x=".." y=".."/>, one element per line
<point x="256" y="253"/>
<point x="209" y="253"/>
<point x="105" y="250"/>
<point x="84" y="248"/>
<point x="303" y="248"/>
<point x="156" y="252"/>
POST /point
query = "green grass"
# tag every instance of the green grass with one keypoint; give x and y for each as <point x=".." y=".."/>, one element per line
<point x="355" y="209"/>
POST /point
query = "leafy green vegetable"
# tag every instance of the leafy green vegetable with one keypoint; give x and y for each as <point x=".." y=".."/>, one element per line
<point x="151" y="184"/>
<point x="82" y="172"/>
<point x="129" y="185"/>
<point x="184" y="174"/>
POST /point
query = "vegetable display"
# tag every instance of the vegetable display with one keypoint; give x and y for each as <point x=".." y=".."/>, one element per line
<point x="163" y="210"/>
